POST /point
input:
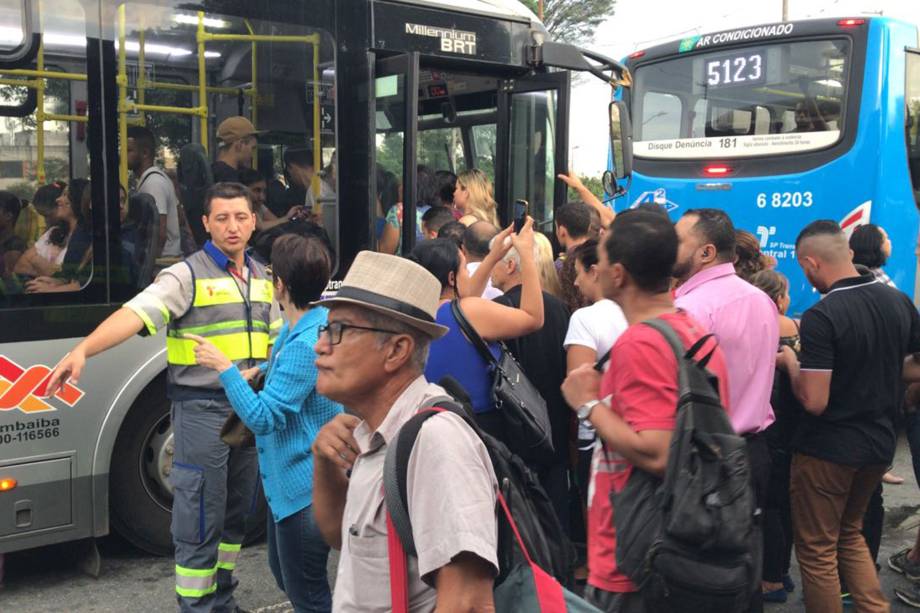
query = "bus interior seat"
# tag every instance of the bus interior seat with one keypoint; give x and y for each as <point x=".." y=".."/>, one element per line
<point x="143" y="214"/>
<point x="195" y="177"/>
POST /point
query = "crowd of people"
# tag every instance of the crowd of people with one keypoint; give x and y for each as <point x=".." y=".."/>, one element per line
<point x="324" y="384"/>
<point x="46" y="241"/>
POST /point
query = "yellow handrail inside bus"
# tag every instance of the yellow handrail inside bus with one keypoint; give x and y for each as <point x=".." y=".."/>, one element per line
<point x="35" y="79"/>
<point x="122" y="81"/>
<point x="40" y="118"/>
<point x="316" y="186"/>
<point x="45" y="74"/>
<point x="254" y="89"/>
<point x="202" y="81"/>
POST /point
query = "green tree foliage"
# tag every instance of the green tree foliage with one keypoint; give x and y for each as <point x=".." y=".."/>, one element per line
<point x="574" y="21"/>
<point x="172" y="131"/>
<point x="594" y="184"/>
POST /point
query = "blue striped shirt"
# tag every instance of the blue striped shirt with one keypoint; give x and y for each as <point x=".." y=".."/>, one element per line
<point x="286" y="415"/>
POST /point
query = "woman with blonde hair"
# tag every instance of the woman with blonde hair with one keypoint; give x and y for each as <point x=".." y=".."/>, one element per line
<point x="473" y="198"/>
<point x="546" y="265"/>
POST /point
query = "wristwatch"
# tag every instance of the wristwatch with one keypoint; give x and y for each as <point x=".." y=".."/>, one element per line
<point x="584" y="411"/>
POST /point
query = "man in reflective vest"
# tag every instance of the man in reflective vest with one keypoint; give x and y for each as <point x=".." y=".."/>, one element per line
<point x="221" y="294"/>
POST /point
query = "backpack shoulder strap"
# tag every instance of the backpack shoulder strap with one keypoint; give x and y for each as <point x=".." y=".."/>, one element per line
<point x="396" y="465"/>
<point x="679" y="351"/>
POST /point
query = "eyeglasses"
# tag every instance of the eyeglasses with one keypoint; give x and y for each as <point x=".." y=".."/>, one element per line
<point x="335" y="329"/>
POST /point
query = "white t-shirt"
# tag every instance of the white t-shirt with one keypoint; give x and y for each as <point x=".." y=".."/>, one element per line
<point x="491" y="291"/>
<point x="597" y="327"/>
<point x="155" y="182"/>
<point x="51" y="252"/>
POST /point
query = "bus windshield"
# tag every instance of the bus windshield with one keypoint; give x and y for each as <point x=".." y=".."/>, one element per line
<point x="742" y="102"/>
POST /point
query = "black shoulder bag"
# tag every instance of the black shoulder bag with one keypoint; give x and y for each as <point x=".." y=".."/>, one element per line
<point x="521" y="406"/>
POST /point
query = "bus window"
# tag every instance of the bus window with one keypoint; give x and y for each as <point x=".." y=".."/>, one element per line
<point x="661" y="115"/>
<point x="441" y="149"/>
<point x="484" y="137"/>
<point x="278" y="75"/>
<point x="777" y="88"/>
<point x="390" y="95"/>
<point x="533" y="146"/>
<point x="912" y="101"/>
<point x="735" y="121"/>
<point x="44" y="166"/>
<point x="11" y="21"/>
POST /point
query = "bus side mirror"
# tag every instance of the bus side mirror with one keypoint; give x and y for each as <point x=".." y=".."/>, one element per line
<point x="610" y="184"/>
<point x="620" y="141"/>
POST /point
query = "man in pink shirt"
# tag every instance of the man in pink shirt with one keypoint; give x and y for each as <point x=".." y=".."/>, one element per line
<point x="743" y="319"/>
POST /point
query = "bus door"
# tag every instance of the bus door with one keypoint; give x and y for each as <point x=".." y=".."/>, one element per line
<point x="533" y="120"/>
<point x="912" y="104"/>
<point x="396" y="80"/>
<point x="457" y="119"/>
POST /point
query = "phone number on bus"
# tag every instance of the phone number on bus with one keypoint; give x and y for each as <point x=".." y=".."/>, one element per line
<point x="785" y="200"/>
<point x="29" y="435"/>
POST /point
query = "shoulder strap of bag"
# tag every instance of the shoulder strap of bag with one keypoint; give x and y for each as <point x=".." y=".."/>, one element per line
<point x="470" y="333"/>
<point x="396" y="466"/>
<point x="677" y="346"/>
<point x="400" y="541"/>
<point x="680" y="352"/>
<point x="599" y="365"/>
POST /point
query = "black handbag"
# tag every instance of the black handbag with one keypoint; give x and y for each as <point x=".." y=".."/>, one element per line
<point x="522" y="408"/>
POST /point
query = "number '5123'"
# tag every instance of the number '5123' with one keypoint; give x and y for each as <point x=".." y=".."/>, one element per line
<point x="785" y="200"/>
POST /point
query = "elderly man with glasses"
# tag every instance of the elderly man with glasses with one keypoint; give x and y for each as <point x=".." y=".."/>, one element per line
<point x="371" y="357"/>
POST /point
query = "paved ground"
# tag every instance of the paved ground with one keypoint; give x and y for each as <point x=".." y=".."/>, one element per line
<point x="48" y="580"/>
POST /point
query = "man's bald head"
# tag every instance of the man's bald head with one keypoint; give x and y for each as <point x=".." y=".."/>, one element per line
<point x="476" y="240"/>
<point x="824" y="241"/>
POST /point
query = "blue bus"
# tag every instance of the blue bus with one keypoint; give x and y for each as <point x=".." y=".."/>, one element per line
<point x="779" y="124"/>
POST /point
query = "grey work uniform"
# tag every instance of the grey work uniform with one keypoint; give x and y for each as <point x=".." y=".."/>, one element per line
<point x="214" y="485"/>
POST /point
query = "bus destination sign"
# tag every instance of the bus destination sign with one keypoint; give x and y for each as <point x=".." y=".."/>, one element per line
<point x="733" y="36"/>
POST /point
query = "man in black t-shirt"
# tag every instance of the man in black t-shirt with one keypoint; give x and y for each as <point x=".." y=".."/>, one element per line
<point x="854" y="343"/>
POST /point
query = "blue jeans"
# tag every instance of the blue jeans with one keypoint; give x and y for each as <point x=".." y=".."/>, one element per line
<point x="297" y="555"/>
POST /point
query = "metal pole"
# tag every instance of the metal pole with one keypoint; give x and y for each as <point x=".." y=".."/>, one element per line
<point x="141" y="77"/>
<point x="202" y="83"/>
<point x="785" y="10"/>
<point x="254" y="88"/>
<point x="122" y="101"/>
<point x="317" y="137"/>
<point x="40" y="118"/>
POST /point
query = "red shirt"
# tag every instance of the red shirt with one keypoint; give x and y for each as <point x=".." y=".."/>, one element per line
<point x="641" y="386"/>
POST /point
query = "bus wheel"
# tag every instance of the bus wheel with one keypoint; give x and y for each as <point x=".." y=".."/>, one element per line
<point x="140" y="493"/>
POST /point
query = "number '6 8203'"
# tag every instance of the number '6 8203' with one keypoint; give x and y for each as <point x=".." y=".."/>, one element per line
<point x="785" y="200"/>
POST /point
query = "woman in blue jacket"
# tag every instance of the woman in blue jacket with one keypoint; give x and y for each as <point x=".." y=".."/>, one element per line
<point x="285" y="417"/>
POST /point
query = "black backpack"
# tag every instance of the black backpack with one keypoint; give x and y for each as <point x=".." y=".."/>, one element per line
<point x="689" y="541"/>
<point x="524" y="500"/>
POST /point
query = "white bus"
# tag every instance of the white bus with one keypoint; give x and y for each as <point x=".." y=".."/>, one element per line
<point x="360" y="83"/>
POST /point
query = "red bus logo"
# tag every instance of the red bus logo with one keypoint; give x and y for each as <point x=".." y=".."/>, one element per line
<point x="23" y="388"/>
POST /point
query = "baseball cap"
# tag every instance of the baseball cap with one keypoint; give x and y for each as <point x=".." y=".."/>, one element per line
<point x="235" y="128"/>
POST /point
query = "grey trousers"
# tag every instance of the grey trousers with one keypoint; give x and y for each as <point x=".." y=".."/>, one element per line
<point x="214" y="490"/>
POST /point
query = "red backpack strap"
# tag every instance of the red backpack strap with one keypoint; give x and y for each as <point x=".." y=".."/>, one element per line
<point x="549" y="591"/>
<point x="399" y="533"/>
<point x="399" y="570"/>
<point x="399" y="528"/>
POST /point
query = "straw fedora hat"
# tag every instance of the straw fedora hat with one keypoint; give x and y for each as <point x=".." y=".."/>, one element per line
<point x="393" y="286"/>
